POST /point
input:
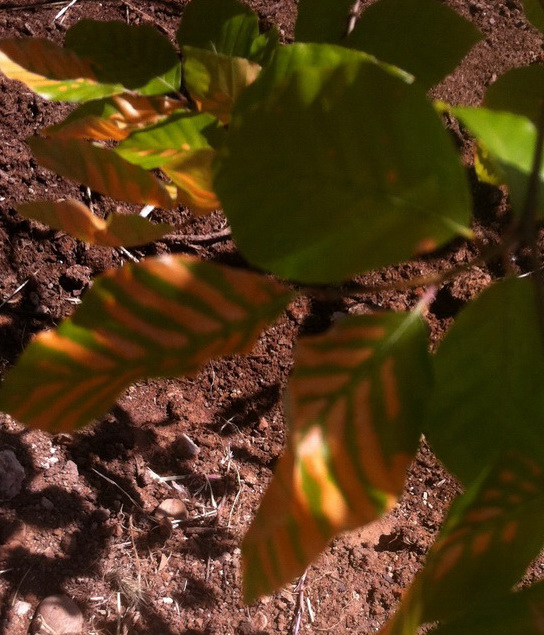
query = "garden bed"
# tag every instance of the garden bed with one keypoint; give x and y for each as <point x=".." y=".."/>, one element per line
<point x="85" y="521"/>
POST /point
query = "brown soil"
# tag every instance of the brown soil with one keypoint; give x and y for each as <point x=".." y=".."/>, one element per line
<point x="83" y="522"/>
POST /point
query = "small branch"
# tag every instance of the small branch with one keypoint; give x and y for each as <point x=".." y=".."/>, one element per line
<point x="223" y="234"/>
<point x="435" y="279"/>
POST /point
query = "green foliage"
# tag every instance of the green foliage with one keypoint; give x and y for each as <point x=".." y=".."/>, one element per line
<point x="329" y="160"/>
<point x="478" y="397"/>
<point x="424" y="37"/>
<point x="298" y="148"/>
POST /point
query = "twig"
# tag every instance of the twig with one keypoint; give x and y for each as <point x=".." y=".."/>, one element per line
<point x="112" y="482"/>
<point x="299" y="610"/>
<point x="17" y="290"/>
<point x="353" y="16"/>
<point x="64" y="10"/>
<point x="126" y="252"/>
<point x="37" y="5"/>
<point x="222" y="234"/>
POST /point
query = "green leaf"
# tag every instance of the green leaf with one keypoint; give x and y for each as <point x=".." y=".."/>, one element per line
<point x="328" y="166"/>
<point x="534" y="12"/>
<point x="162" y="317"/>
<point x="138" y="57"/>
<point x="102" y="170"/>
<point x="354" y="428"/>
<point x="521" y="612"/>
<point x="322" y="20"/>
<point x="424" y="37"/>
<point x="488" y="395"/>
<point x="489" y="538"/>
<point x="181" y="133"/>
<point x="264" y="47"/>
<point x="192" y="173"/>
<point x="215" y="81"/>
<point x="51" y="71"/>
<point x="510" y="141"/>
<point x="115" y="117"/>
<point x="519" y="91"/>
<point x="76" y="219"/>
<point x="221" y="26"/>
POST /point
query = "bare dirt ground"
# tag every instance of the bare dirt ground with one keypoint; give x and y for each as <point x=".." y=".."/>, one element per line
<point x="84" y="523"/>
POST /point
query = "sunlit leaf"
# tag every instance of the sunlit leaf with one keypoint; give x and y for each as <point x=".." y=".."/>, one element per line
<point x="488" y="390"/>
<point x="115" y="117"/>
<point x="162" y="317"/>
<point x="519" y="91"/>
<point x="102" y="170"/>
<point x="424" y="37"/>
<point x="534" y="12"/>
<point x="51" y="71"/>
<point x="160" y="144"/>
<point x="510" y="141"/>
<point x="221" y="26"/>
<point x="489" y="538"/>
<point x="138" y="57"/>
<point x="487" y="170"/>
<point x="521" y="612"/>
<point x="215" y="81"/>
<point x="191" y="172"/>
<point x="354" y="422"/>
<point x="322" y="20"/>
<point x="76" y="219"/>
<point x="328" y="166"/>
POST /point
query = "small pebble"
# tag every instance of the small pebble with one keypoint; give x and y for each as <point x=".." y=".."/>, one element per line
<point x="58" y="615"/>
<point x="172" y="508"/>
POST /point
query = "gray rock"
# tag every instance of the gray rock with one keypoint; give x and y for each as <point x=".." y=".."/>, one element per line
<point x="12" y="475"/>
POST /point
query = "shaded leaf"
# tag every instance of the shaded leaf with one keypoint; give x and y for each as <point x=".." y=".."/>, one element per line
<point x="264" y="47"/>
<point x="519" y="91"/>
<point x="51" y="71"/>
<point x="215" y="81"/>
<point x="521" y="612"/>
<point x="191" y="172"/>
<point x="162" y="317"/>
<point x="489" y="538"/>
<point x="534" y="12"/>
<point x="115" y="117"/>
<point x="221" y="26"/>
<point x="354" y="427"/>
<point x="488" y="390"/>
<point x="102" y="170"/>
<point x="138" y="57"/>
<point x="157" y="145"/>
<point x="424" y="37"/>
<point x="328" y="167"/>
<point x="76" y="219"/>
<point x="322" y="20"/>
<point x="510" y="141"/>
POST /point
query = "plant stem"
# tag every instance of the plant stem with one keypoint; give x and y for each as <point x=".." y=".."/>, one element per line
<point x="528" y="224"/>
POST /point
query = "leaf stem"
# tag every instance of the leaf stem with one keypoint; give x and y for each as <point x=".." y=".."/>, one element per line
<point x="528" y="225"/>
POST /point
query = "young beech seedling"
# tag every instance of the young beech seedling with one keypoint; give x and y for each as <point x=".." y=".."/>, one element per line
<point x="314" y="152"/>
